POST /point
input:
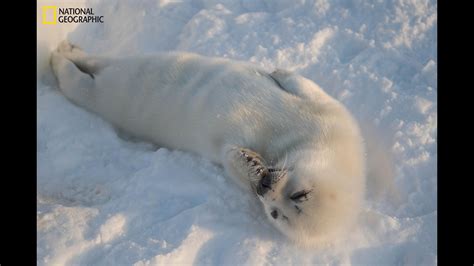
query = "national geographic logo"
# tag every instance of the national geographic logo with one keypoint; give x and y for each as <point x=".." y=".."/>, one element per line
<point x="53" y="15"/>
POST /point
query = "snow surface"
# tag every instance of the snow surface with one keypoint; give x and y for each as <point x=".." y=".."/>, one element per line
<point x="107" y="200"/>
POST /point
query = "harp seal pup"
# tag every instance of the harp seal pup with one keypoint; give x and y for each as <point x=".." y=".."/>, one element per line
<point x="278" y="135"/>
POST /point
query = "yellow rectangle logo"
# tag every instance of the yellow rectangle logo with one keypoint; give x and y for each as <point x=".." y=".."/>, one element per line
<point x="46" y="11"/>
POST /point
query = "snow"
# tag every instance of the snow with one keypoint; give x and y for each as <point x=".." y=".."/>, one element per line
<point x="104" y="199"/>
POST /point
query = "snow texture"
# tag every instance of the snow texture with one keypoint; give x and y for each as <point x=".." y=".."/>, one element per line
<point x="104" y="199"/>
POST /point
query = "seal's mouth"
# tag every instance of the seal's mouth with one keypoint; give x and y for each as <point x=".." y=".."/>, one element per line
<point x="269" y="180"/>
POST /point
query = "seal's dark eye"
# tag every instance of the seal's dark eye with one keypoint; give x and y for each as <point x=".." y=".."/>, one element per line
<point x="300" y="196"/>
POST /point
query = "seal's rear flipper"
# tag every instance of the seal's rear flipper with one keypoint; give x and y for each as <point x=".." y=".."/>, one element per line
<point x="88" y="64"/>
<point x="74" y="83"/>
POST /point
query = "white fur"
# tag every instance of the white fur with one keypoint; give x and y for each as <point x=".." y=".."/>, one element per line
<point x="217" y="107"/>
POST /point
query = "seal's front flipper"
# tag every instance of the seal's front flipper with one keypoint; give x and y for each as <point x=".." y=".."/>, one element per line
<point x="298" y="85"/>
<point x="244" y="165"/>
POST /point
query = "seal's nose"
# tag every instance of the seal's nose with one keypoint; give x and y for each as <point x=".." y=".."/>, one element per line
<point x="264" y="185"/>
<point x="274" y="214"/>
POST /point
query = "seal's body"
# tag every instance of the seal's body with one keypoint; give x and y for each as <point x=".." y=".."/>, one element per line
<point x="277" y="133"/>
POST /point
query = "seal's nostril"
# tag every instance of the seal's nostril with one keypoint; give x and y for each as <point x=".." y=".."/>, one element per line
<point x="274" y="214"/>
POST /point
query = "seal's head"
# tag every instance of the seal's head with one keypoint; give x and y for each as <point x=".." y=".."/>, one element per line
<point x="314" y="195"/>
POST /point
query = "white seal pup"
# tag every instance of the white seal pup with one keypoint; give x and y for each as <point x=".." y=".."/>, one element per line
<point x="277" y="134"/>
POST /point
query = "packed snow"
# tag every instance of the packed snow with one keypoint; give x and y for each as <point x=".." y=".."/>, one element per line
<point x="106" y="199"/>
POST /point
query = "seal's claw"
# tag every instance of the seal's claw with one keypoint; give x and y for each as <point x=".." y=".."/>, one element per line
<point x="255" y="164"/>
<point x="247" y="166"/>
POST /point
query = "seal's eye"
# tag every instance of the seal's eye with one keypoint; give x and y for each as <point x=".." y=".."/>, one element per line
<point x="300" y="196"/>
